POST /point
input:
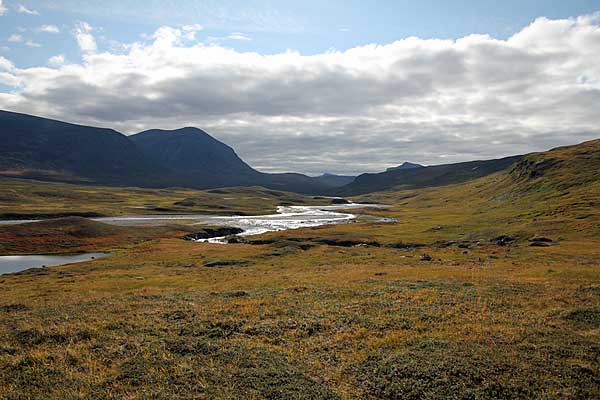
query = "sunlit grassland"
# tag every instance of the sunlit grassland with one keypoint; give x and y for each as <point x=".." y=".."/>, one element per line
<point x="327" y="322"/>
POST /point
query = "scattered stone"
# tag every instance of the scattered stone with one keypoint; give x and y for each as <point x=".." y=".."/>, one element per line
<point x="237" y="293"/>
<point x="345" y="243"/>
<point x="235" y="240"/>
<point x="503" y="240"/>
<point x="405" y="246"/>
<point x="444" y="243"/>
<point x="539" y="244"/>
<point x="222" y="263"/>
<point x="426" y="257"/>
<point x="208" y="233"/>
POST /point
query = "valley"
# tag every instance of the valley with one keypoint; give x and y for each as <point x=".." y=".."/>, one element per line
<point x="299" y="200"/>
<point x="486" y="288"/>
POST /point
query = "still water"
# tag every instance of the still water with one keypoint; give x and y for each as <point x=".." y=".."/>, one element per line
<point x="19" y="263"/>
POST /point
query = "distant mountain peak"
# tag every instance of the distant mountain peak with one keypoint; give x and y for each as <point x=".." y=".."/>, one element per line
<point x="405" y="165"/>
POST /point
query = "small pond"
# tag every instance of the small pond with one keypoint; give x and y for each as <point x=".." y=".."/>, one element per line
<point x="10" y="264"/>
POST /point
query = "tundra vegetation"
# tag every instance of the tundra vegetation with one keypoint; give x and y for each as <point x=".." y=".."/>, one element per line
<point x="488" y="289"/>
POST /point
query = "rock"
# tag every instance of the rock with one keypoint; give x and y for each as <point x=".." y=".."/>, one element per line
<point x="426" y="257"/>
<point x="345" y="243"/>
<point x="260" y="242"/>
<point x="541" y="239"/>
<point x="503" y="240"/>
<point x="235" y="240"/>
<point x="539" y="244"/>
<point x="405" y="246"/>
<point x="222" y="263"/>
<point x="443" y="244"/>
<point x="339" y="200"/>
<point x="208" y="233"/>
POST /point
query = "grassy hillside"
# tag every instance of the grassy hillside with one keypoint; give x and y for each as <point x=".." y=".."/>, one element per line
<point x="433" y="306"/>
<point x="75" y="234"/>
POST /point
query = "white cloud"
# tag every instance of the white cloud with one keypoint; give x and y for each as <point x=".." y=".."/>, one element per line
<point x="238" y="36"/>
<point x="56" y="61"/>
<point x="7" y="69"/>
<point x="6" y="64"/>
<point x="84" y="37"/>
<point x="24" y="10"/>
<point x="3" y="8"/>
<point x="193" y="27"/>
<point x="31" y="43"/>
<point x="49" y="29"/>
<point x="15" y="38"/>
<point x="189" y="31"/>
<point x="9" y="79"/>
<point x="363" y="109"/>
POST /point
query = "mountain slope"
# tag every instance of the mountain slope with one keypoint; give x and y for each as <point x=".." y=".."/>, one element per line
<point x="197" y="157"/>
<point x="203" y="162"/>
<point x="335" y="180"/>
<point x="44" y="148"/>
<point x="437" y="175"/>
<point x="405" y="165"/>
<point x="553" y="194"/>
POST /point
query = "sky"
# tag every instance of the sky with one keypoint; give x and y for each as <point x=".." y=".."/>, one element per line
<point x="314" y="86"/>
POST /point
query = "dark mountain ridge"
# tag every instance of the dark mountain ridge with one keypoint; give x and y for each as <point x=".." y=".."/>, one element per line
<point x="420" y="177"/>
<point x="44" y="148"/>
<point x="40" y="148"/>
<point x="405" y="165"/>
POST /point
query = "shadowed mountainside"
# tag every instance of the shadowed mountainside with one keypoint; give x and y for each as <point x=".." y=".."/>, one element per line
<point x="421" y="177"/>
<point x="39" y="148"/>
<point x="32" y="147"/>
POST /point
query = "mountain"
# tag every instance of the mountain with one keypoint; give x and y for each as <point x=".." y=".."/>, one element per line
<point x="203" y="162"/>
<point x="405" y="165"/>
<point x="33" y="147"/>
<point x="40" y="148"/>
<point x="437" y="175"/>
<point x="335" y="180"/>
<point x="196" y="157"/>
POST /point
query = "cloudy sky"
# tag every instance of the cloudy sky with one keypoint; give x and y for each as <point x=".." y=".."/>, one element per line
<point x="314" y="86"/>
